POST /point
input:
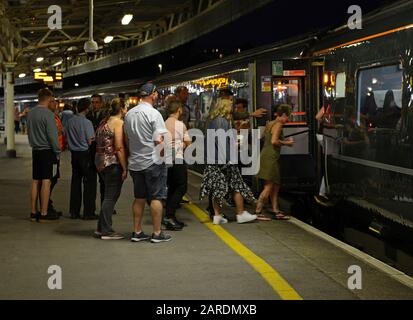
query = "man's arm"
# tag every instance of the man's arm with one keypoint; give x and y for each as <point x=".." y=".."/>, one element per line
<point x="245" y="115"/>
<point x="52" y="133"/>
<point x="90" y="132"/>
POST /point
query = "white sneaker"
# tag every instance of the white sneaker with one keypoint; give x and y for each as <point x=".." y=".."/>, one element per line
<point x="219" y="220"/>
<point x="246" y="217"/>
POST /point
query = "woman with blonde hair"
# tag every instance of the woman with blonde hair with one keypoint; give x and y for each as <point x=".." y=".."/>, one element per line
<point x="269" y="163"/>
<point x="222" y="178"/>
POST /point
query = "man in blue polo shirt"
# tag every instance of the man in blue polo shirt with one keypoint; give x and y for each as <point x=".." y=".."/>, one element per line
<point x="80" y="135"/>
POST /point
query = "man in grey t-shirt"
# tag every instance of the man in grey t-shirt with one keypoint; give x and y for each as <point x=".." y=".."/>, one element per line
<point x="42" y="133"/>
<point x="144" y="130"/>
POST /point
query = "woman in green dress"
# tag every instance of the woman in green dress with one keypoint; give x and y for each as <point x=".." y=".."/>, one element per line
<point x="269" y="163"/>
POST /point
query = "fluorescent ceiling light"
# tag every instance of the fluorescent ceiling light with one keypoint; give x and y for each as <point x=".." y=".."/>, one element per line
<point x="39" y="59"/>
<point x="127" y="18"/>
<point x="22" y="75"/>
<point x="76" y="84"/>
<point x="58" y="63"/>
<point x="37" y="70"/>
<point x="108" y="39"/>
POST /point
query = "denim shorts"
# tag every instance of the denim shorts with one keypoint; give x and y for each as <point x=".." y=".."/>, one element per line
<point x="150" y="184"/>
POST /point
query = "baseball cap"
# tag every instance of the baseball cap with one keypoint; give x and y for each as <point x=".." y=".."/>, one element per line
<point x="147" y="89"/>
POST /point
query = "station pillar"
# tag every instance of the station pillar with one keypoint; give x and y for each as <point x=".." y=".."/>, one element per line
<point x="9" y="109"/>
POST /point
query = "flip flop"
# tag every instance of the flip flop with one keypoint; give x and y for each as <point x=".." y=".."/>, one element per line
<point x="262" y="217"/>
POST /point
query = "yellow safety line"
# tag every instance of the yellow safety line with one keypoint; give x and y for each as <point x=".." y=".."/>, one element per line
<point x="274" y="279"/>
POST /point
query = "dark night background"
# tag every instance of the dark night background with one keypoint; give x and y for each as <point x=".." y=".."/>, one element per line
<point x="274" y="22"/>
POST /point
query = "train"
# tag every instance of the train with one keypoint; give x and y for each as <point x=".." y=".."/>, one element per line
<point x="363" y="81"/>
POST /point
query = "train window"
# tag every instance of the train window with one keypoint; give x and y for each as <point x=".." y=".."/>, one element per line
<point x="341" y="85"/>
<point x="372" y="130"/>
<point x="289" y="91"/>
<point x="380" y="96"/>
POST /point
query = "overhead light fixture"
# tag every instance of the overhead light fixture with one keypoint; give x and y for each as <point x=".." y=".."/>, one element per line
<point x="127" y="18"/>
<point x="37" y="70"/>
<point x="160" y="67"/>
<point x="58" y="63"/>
<point x="22" y="75"/>
<point x="108" y="39"/>
<point x="39" y="59"/>
<point x="76" y="84"/>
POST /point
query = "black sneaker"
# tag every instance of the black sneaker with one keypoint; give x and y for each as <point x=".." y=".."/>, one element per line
<point x="182" y="224"/>
<point x="53" y="211"/>
<point x="172" y="225"/>
<point x="138" y="237"/>
<point x="112" y="236"/>
<point x="162" y="237"/>
<point x="47" y="218"/>
<point x="33" y="216"/>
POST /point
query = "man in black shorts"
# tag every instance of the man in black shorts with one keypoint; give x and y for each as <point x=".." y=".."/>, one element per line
<point x="42" y="132"/>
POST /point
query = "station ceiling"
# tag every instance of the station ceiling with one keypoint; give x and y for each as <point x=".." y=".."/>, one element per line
<point x="25" y="24"/>
<point x="30" y="19"/>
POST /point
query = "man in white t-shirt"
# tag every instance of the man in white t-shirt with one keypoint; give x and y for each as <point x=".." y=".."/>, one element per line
<point x="144" y="130"/>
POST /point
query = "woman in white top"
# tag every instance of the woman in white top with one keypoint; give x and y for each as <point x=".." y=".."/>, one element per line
<point x="178" y="172"/>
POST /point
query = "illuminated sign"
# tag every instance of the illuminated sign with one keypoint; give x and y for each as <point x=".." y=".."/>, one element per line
<point x="294" y="73"/>
<point x="48" y="77"/>
<point x="216" y="82"/>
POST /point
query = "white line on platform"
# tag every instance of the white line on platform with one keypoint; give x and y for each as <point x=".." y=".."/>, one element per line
<point x="392" y="272"/>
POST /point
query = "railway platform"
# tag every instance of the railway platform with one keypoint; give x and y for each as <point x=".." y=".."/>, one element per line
<point x="258" y="261"/>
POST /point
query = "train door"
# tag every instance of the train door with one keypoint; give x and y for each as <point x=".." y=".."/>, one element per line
<point x="297" y="163"/>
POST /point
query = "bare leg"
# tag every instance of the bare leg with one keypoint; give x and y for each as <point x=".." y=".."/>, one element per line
<point x="45" y="196"/>
<point x="274" y="198"/>
<point x="156" y="212"/>
<point x="217" y="209"/>
<point x="265" y="194"/>
<point x="137" y="208"/>
<point x="34" y="195"/>
<point x="239" y="202"/>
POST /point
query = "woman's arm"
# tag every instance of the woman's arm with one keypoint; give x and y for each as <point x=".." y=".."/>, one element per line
<point x="275" y="139"/>
<point x="120" y="147"/>
<point x="187" y="139"/>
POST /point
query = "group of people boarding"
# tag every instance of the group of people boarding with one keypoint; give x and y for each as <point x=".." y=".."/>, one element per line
<point x="118" y="142"/>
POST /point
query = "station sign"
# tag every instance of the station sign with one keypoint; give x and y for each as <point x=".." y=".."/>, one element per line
<point x="48" y="77"/>
<point x="277" y="68"/>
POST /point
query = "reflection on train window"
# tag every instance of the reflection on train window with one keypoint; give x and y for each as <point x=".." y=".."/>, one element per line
<point x="375" y="128"/>
<point x="289" y="91"/>
<point x="380" y="97"/>
<point x="341" y="85"/>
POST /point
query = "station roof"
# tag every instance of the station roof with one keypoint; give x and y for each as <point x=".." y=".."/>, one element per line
<point x="26" y="23"/>
<point x="30" y="19"/>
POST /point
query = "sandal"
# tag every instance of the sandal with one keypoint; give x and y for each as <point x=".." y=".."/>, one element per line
<point x="262" y="217"/>
<point x="279" y="215"/>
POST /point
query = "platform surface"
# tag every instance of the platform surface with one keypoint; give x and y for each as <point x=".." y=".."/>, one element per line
<point x="263" y="260"/>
